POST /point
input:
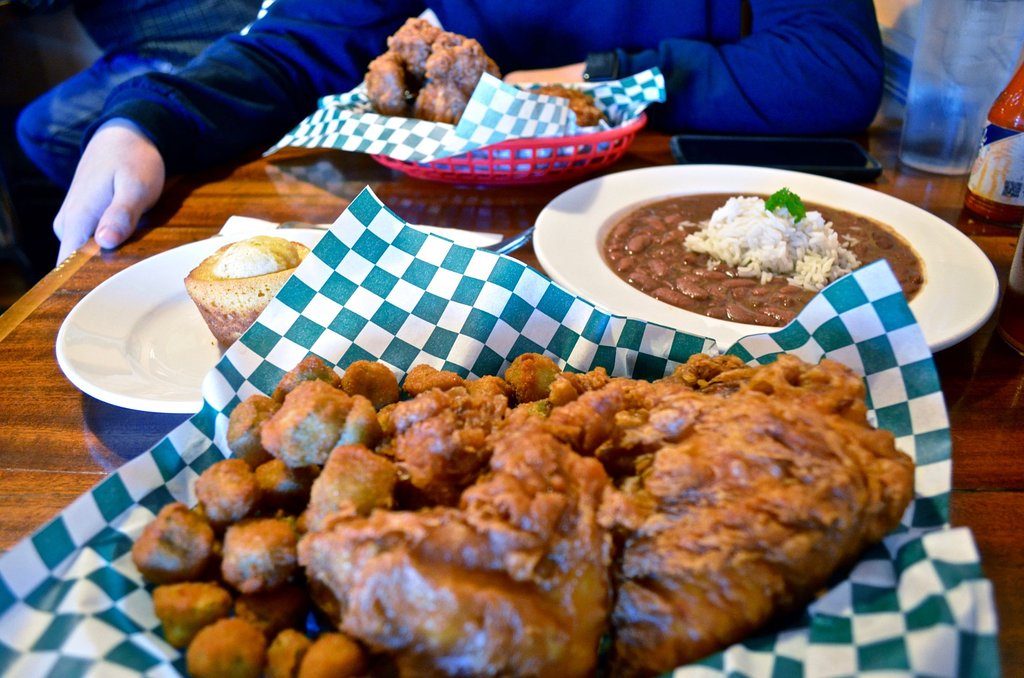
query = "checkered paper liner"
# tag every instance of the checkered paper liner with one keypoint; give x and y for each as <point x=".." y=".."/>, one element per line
<point x="495" y="112"/>
<point x="72" y="602"/>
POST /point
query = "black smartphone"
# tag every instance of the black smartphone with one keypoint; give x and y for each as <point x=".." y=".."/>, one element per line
<point x="830" y="157"/>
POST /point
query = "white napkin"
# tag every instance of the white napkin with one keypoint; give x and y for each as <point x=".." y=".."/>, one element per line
<point x="244" y="227"/>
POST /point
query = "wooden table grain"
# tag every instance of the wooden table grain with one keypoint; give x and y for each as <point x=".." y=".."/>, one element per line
<point x="56" y="442"/>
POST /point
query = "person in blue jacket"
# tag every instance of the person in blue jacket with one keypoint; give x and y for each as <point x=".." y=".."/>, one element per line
<point x="136" y="37"/>
<point x="759" y="66"/>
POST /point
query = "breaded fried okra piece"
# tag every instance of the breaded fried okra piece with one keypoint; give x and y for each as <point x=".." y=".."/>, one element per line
<point x="282" y="487"/>
<point x="373" y="381"/>
<point x="284" y="656"/>
<point x="273" y="611"/>
<point x="333" y="655"/>
<point x="244" y="428"/>
<point x="530" y="376"/>
<point x="184" y="609"/>
<point x="229" y="648"/>
<point x="316" y="418"/>
<point x="354" y="481"/>
<point x="227" y="491"/>
<point x="424" y="377"/>
<point x="175" y="547"/>
<point x="311" y="368"/>
<point x="259" y="554"/>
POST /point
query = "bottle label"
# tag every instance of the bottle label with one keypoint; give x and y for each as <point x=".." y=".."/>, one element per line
<point x="998" y="171"/>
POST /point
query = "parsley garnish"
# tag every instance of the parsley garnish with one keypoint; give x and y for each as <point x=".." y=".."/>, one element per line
<point x="788" y="199"/>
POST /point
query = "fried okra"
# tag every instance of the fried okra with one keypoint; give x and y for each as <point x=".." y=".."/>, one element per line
<point x="184" y="609"/>
<point x="354" y="481"/>
<point x="227" y="491"/>
<point x="282" y="487"/>
<point x="333" y="655"/>
<point x="489" y="386"/>
<point x="314" y="419"/>
<point x="259" y="554"/>
<point x="424" y="377"/>
<point x="311" y="368"/>
<point x="530" y="376"/>
<point x="273" y="611"/>
<point x="286" y="653"/>
<point x="175" y="547"/>
<point x="373" y="381"/>
<point x="228" y="648"/>
<point x="244" y="428"/>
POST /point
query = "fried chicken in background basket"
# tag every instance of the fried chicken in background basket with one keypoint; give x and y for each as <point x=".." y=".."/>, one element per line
<point x="504" y="526"/>
<point x="427" y="73"/>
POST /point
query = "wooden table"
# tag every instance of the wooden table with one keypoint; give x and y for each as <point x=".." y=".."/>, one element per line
<point x="55" y="442"/>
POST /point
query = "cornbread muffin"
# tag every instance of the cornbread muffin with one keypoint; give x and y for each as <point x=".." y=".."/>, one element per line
<point x="232" y="286"/>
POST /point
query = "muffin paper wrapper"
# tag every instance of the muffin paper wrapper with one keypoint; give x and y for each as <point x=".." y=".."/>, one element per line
<point x="495" y="112"/>
<point x="72" y="602"/>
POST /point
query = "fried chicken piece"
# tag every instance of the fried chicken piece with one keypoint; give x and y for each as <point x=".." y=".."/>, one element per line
<point x="488" y="386"/>
<point x="453" y="70"/>
<point x="184" y="609"/>
<point x="423" y="378"/>
<point x="229" y="648"/>
<point x="386" y="85"/>
<point x="514" y="582"/>
<point x="259" y="554"/>
<point x="412" y="43"/>
<point x="354" y="481"/>
<point x="744" y="508"/>
<point x="316" y="418"/>
<point x="227" y="492"/>
<point x="244" y="428"/>
<point x="310" y="368"/>
<point x="177" y="546"/>
<point x="581" y="103"/>
<point x="373" y="381"/>
<point x="441" y="440"/>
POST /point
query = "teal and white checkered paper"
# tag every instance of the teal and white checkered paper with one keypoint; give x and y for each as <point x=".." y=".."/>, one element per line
<point x="495" y="112"/>
<point x="72" y="603"/>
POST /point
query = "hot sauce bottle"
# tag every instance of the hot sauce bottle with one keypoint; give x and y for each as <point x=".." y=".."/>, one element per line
<point x="996" y="188"/>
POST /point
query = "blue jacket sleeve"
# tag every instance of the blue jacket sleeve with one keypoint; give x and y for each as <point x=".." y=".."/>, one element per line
<point x="807" y="67"/>
<point x="246" y="91"/>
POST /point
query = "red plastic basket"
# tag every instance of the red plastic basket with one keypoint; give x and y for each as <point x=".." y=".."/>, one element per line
<point x="527" y="161"/>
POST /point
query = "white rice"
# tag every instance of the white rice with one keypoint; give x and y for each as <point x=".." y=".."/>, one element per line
<point x="762" y="244"/>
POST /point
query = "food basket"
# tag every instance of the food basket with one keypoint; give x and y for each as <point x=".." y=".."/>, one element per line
<point x="73" y="603"/>
<point x="534" y="160"/>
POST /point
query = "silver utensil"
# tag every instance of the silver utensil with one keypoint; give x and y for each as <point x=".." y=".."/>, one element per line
<point x="511" y="244"/>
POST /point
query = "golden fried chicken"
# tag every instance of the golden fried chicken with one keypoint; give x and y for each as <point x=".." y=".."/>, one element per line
<point x="411" y="45"/>
<point x="581" y="103"/>
<point x="440" y="440"/>
<point x="386" y="85"/>
<point x="428" y="71"/>
<point x="743" y="506"/>
<point x="514" y="582"/>
<point x="453" y="71"/>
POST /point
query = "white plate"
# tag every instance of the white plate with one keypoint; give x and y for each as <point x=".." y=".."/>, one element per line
<point x="959" y="294"/>
<point x="138" y="341"/>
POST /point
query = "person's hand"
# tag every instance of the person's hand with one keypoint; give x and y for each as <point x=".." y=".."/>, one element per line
<point x="570" y="73"/>
<point x="120" y="176"/>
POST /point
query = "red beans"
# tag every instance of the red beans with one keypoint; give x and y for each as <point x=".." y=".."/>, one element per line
<point x="647" y="250"/>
